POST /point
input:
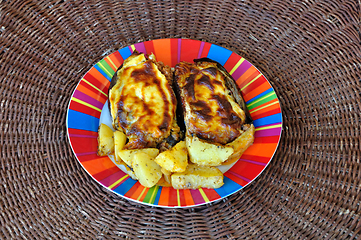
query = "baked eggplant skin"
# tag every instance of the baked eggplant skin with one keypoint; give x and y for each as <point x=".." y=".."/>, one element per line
<point x="213" y="107"/>
<point x="231" y="86"/>
<point x="142" y="103"/>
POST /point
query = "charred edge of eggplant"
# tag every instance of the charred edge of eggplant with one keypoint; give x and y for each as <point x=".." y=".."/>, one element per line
<point x="111" y="85"/>
<point x="180" y="106"/>
<point x="232" y="86"/>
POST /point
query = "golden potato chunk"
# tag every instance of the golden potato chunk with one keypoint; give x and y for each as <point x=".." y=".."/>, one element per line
<point x="207" y="154"/>
<point x="127" y="155"/>
<point x="241" y="143"/>
<point x="166" y="175"/>
<point x="119" y="142"/>
<point x="146" y="170"/>
<point x="105" y="140"/>
<point x="198" y="176"/>
<point x="174" y="159"/>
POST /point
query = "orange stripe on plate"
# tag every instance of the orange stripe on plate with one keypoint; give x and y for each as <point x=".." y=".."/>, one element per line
<point x="116" y="59"/>
<point x="263" y="150"/>
<point x="98" y="165"/>
<point x="254" y="76"/>
<point x="246" y="75"/>
<point x="188" y="197"/>
<point x="260" y="89"/>
<point x="163" y="51"/>
<point x="96" y="74"/>
<point x="164" y="196"/>
<point x="132" y="190"/>
<point x="137" y="192"/>
<point x="143" y="194"/>
<point x="269" y="107"/>
<point x="91" y="94"/>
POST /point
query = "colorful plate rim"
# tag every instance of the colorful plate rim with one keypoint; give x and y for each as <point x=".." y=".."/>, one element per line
<point x="89" y="96"/>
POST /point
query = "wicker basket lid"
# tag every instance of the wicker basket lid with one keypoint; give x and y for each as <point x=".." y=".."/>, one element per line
<point x="309" y="51"/>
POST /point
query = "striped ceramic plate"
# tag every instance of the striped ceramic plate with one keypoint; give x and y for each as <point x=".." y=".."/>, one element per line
<point x="88" y="103"/>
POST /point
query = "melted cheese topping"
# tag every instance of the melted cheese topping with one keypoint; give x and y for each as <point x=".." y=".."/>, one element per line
<point x="210" y="111"/>
<point x="142" y="102"/>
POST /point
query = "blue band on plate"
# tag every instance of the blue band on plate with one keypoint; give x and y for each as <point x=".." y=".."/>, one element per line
<point x="78" y="120"/>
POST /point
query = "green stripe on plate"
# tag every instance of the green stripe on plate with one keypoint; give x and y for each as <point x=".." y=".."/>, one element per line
<point x="259" y="101"/>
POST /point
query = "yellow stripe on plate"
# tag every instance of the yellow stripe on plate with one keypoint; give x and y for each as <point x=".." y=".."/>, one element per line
<point x="95" y="87"/>
<point x="133" y="48"/>
<point x="269" y="127"/>
<point x="264" y="107"/>
<point x="111" y="62"/>
<point x="141" y="194"/>
<point x="114" y="184"/>
<point x="178" y="198"/>
<point x="260" y="99"/>
<point x="203" y="195"/>
<point x="154" y="194"/>
<point x="85" y="104"/>
<point x="254" y="79"/>
<point x="236" y="66"/>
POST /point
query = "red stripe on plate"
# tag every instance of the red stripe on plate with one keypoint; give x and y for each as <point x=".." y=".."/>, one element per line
<point x="81" y="132"/>
<point x="231" y="62"/>
<point x="82" y="145"/>
<point x="189" y="50"/>
<point x="100" y="78"/>
<point x="270" y="139"/>
<point x="211" y="194"/>
<point x="102" y="85"/>
<point x="149" y="47"/>
<point x="106" y="173"/>
<point x="182" y="198"/>
<point x="173" y="199"/>
<point x="255" y="158"/>
<point x="117" y="59"/>
<point x="254" y="84"/>
<point x="109" y="180"/>
<point x="132" y="190"/>
<point x="84" y="109"/>
<point x="247" y="170"/>
<point x="92" y="92"/>
<point x="89" y="157"/>
<point x="235" y="178"/>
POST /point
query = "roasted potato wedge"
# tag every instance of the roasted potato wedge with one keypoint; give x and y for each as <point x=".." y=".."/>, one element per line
<point x="241" y="143"/>
<point x="166" y="175"/>
<point x="207" y="154"/>
<point x="146" y="170"/>
<point x="174" y="159"/>
<point x="198" y="176"/>
<point x="127" y="155"/>
<point x="105" y="140"/>
<point x="119" y="142"/>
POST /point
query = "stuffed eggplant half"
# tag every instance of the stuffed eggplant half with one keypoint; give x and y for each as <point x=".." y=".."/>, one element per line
<point x="218" y="125"/>
<point x="142" y="103"/>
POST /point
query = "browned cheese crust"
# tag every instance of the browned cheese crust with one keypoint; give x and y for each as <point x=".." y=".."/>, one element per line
<point x="142" y="102"/>
<point x="210" y="111"/>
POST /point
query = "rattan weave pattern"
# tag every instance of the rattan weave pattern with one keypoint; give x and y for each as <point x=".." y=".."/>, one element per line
<point x="309" y="50"/>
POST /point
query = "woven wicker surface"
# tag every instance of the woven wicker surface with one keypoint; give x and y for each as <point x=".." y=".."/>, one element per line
<point x="310" y="52"/>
